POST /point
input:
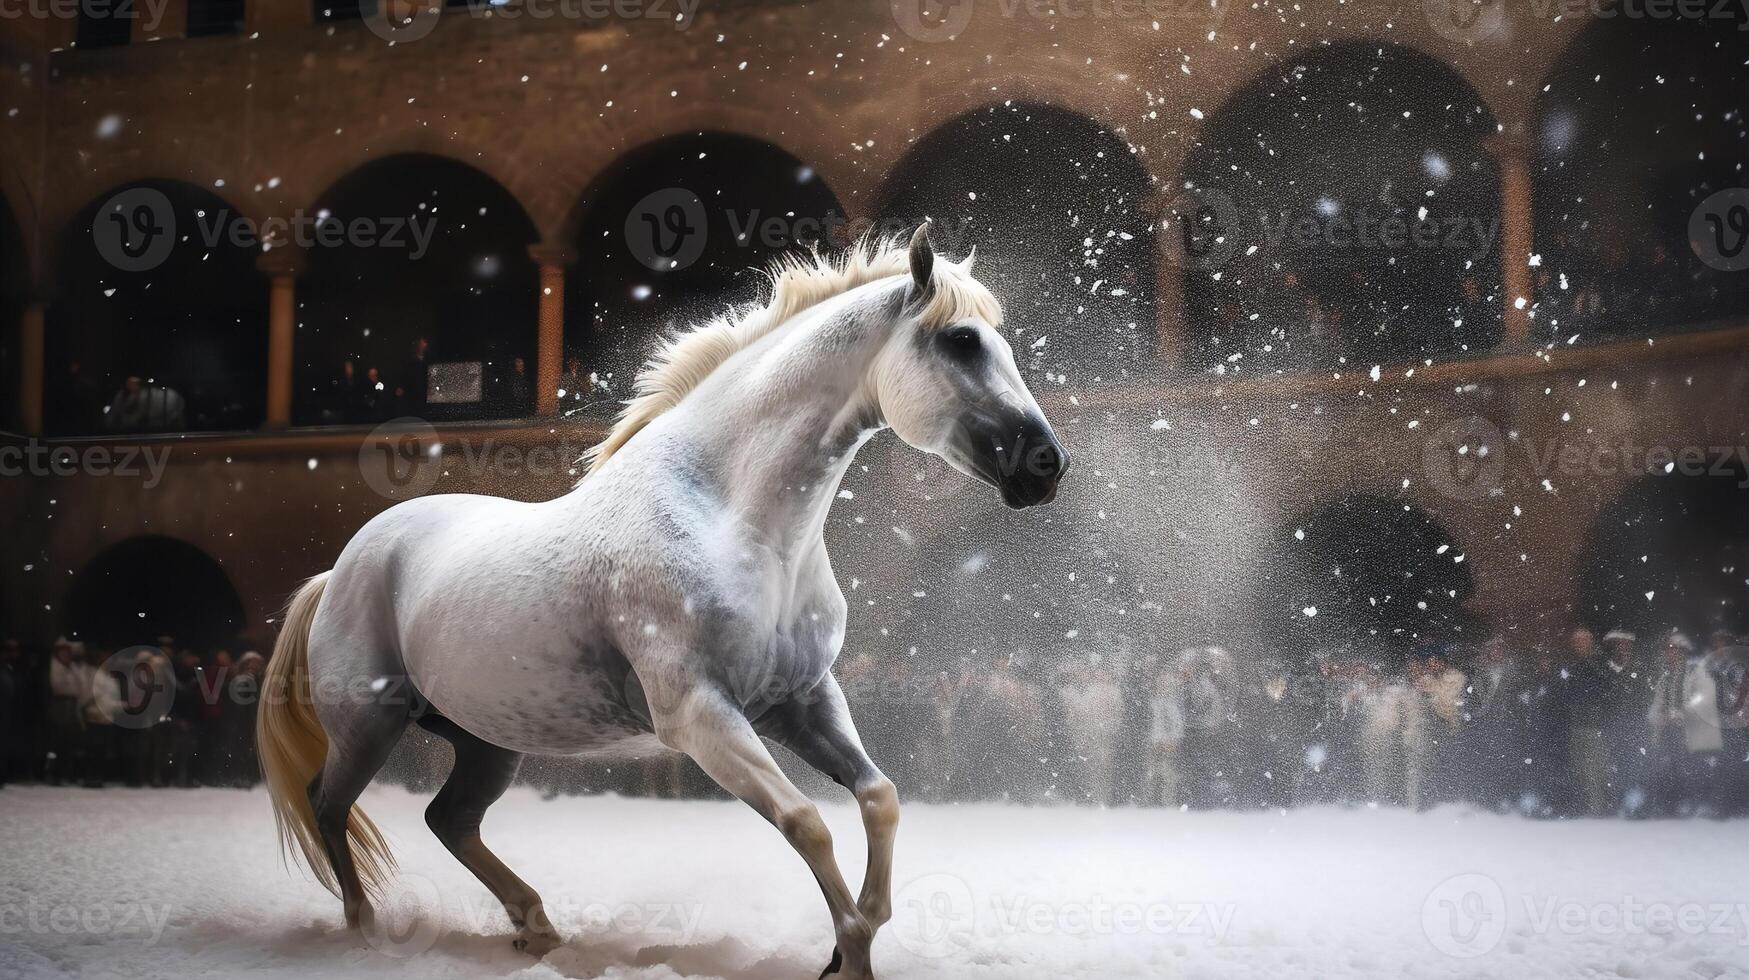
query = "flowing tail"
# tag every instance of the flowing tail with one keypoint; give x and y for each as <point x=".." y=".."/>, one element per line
<point x="293" y="747"/>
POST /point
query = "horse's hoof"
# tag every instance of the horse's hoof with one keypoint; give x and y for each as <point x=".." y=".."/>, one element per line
<point x="535" y="944"/>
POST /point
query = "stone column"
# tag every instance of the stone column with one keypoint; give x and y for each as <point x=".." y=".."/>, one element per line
<point x="1517" y="238"/>
<point x="549" y="355"/>
<point x="281" y="266"/>
<point x="30" y="369"/>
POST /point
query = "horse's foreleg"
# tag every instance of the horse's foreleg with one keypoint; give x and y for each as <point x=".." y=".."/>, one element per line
<point x="481" y="774"/>
<point x="713" y="732"/>
<point x="819" y="730"/>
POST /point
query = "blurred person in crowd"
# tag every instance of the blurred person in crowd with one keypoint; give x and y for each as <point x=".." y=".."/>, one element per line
<point x="942" y="748"/>
<point x="67" y="696"/>
<point x="101" y="706"/>
<point x="1624" y="720"/>
<point x="1282" y="722"/>
<point x="1209" y="716"/>
<point x="374" y="401"/>
<point x="1165" y="742"/>
<point x="242" y="705"/>
<point x="1004" y="716"/>
<point x="1498" y="702"/>
<point x="1550" y="782"/>
<point x="1092" y="710"/>
<point x="414" y="387"/>
<point x="1394" y="749"/>
<point x="147" y="678"/>
<point x="183" y="730"/>
<point x="143" y="407"/>
<point x="1686" y="740"/>
<point x="575" y="388"/>
<point x="1442" y="688"/>
<point x="215" y="754"/>
<point x="11" y="707"/>
<point x="339" y="400"/>
<point x="519" y="388"/>
<point x="1727" y="663"/>
<point x="1592" y="696"/>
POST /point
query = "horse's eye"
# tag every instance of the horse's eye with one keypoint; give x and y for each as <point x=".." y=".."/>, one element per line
<point x="962" y="341"/>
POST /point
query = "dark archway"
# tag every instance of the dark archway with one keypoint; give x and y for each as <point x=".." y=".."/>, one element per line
<point x="1671" y="552"/>
<point x="14" y="291"/>
<point x="417" y="246"/>
<point x="1372" y="574"/>
<point x="1640" y="124"/>
<point x="150" y="586"/>
<point x="187" y="315"/>
<point x="1058" y="209"/>
<point x="1342" y="206"/>
<point x="676" y="229"/>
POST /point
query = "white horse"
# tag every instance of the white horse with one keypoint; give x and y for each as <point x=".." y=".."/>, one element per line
<point x="680" y="595"/>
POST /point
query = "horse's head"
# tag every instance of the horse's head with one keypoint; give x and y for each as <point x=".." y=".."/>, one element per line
<point x="948" y="385"/>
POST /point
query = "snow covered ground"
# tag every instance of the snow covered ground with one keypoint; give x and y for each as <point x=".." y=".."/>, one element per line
<point x="144" y="883"/>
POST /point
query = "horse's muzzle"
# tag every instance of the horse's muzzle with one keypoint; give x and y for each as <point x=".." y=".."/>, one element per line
<point x="1032" y="467"/>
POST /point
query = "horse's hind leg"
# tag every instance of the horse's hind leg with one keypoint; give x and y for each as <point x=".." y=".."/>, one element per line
<point x="359" y="743"/>
<point x="481" y="774"/>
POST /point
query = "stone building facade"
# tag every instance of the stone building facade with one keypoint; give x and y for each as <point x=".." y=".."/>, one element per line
<point x="1199" y="471"/>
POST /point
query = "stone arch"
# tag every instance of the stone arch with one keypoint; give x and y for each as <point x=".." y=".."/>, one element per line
<point x="1317" y="219"/>
<point x="407" y="248"/>
<point x="673" y="231"/>
<point x="1670" y="551"/>
<point x="1058" y="207"/>
<point x="1370" y="572"/>
<point x="185" y="314"/>
<point x="144" y="587"/>
<point x="1637" y="126"/>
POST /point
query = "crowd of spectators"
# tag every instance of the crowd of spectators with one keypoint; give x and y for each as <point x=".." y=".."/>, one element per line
<point x="158" y="715"/>
<point x="1621" y="727"/>
<point x="1626" y="727"/>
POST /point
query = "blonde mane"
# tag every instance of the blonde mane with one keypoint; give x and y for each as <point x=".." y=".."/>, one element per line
<point x="798" y="282"/>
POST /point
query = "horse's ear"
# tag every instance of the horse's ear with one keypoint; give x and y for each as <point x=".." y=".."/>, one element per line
<point x="922" y="261"/>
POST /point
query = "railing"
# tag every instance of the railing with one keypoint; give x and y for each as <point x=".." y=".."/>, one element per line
<point x="1167" y="392"/>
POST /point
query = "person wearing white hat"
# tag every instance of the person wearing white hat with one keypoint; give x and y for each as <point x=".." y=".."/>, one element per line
<point x="1686" y="738"/>
<point x="66" y="725"/>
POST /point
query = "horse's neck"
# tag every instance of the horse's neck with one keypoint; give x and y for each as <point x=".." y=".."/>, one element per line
<point x="778" y="425"/>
